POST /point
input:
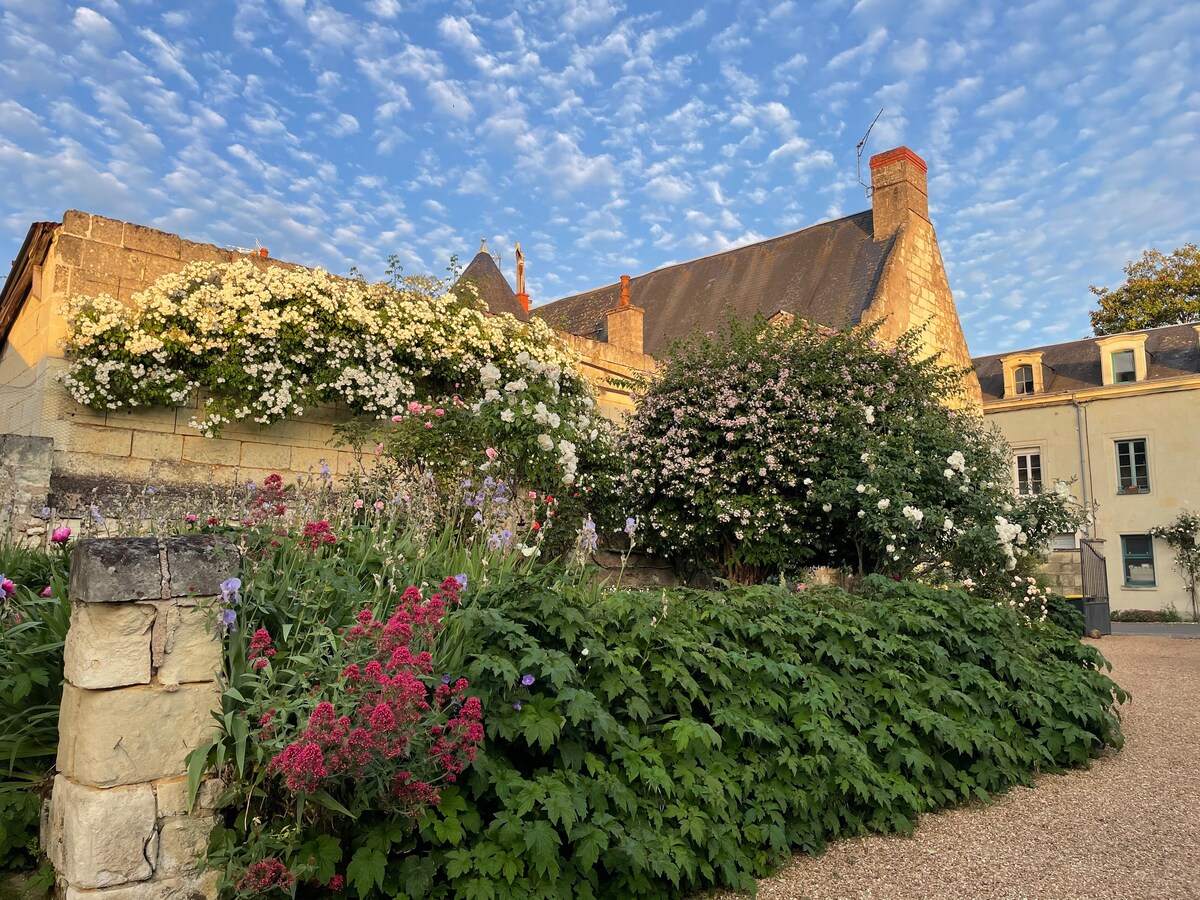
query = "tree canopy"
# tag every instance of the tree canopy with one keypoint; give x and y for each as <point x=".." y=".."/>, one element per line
<point x="1160" y="289"/>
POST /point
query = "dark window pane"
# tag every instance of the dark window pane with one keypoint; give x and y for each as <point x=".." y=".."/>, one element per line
<point x="1123" y="366"/>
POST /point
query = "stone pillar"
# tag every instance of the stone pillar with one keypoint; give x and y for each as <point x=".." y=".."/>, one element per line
<point x="142" y="659"/>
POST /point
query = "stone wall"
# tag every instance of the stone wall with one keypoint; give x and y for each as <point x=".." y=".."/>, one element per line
<point x="25" y="465"/>
<point x="1063" y="573"/>
<point x="914" y="292"/>
<point x="142" y="659"/>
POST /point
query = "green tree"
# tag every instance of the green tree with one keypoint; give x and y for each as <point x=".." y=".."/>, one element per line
<point x="1159" y="290"/>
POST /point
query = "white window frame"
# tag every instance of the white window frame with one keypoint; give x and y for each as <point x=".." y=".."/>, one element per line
<point x="1023" y="454"/>
<point x="1135" y="487"/>
<point x="1118" y="343"/>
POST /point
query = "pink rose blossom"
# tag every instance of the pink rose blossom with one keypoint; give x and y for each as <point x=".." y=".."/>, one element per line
<point x="61" y="534"/>
<point x="491" y="452"/>
<point x="358" y="504"/>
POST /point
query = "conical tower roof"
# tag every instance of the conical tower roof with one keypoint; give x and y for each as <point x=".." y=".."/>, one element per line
<point x="492" y="286"/>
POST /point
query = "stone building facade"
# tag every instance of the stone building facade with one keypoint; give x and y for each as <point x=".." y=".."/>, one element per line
<point x="1118" y="417"/>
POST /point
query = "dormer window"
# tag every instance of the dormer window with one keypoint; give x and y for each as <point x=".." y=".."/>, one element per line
<point x="1022" y="374"/>
<point x="1123" y="367"/>
<point x="1122" y="358"/>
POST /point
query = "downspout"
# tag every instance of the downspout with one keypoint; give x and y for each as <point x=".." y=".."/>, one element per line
<point x="1083" y="474"/>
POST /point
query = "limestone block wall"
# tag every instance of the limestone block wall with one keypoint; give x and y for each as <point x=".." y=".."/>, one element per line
<point x="25" y="464"/>
<point x="609" y="369"/>
<point x="1063" y="573"/>
<point x="914" y="292"/>
<point x="142" y="659"/>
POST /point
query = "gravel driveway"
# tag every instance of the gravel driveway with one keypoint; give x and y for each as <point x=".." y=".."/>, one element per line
<point x="1127" y="828"/>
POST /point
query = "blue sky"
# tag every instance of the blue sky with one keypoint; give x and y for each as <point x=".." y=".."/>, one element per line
<point x="615" y="137"/>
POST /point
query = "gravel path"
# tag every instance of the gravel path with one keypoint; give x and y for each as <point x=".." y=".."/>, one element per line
<point x="1127" y="828"/>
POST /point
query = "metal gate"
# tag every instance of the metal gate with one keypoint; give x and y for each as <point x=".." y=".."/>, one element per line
<point x="1094" y="576"/>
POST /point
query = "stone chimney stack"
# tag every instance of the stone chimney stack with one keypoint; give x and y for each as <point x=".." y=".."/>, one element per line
<point x="625" y="322"/>
<point x="898" y="188"/>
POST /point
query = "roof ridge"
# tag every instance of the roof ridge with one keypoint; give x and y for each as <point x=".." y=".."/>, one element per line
<point x="1088" y="339"/>
<point x="688" y="262"/>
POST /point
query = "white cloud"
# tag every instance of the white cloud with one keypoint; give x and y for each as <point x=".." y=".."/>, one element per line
<point x="579" y="15"/>
<point x="94" y="26"/>
<point x="450" y="100"/>
<point x="668" y="188"/>
<point x="911" y="58"/>
<point x="168" y="57"/>
<point x="344" y="124"/>
<point x="1004" y="103"/>
<point x="864" y="51"/>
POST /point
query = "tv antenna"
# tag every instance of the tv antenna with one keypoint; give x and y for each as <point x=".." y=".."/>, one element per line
<point x="862" y="146"/>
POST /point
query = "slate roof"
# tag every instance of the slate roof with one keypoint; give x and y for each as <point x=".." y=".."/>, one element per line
<point x="826" y="274"/>
<point x="1171" y="351"/>
<point x="492" y="286"/>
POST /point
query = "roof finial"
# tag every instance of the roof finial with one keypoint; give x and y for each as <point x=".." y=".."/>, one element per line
<point x="483" y="245"/>
<point x="520" y="270"/>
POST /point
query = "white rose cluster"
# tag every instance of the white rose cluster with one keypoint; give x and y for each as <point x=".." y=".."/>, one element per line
<point x="269" y="341"/>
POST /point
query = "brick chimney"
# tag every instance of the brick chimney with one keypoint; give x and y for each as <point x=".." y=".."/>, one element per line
<point x="898" y="188"/>
<point x="625" y="322"/>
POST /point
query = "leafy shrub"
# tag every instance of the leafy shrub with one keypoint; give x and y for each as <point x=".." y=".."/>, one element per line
<point x="1146" y="615"/>
<point x="686" y="739"/>
<point x="655" y="744"/>
<point x="768" y="448"/>
<point x="32" y="631"/>
<point x="1063" y="613"/>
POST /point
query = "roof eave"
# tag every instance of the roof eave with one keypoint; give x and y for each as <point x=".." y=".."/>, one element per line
<point x="16" y="287"/>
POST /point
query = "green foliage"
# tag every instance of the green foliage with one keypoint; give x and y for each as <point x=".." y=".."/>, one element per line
<point x="1063" y="613"/>
<point x="18" y="829"/>
<point x="1160" y="289"/>
<point x="32" y="631"/>
<point x="1170" y="614"/>
<point x="675" y="741"/>
<point x="771" y="448"/>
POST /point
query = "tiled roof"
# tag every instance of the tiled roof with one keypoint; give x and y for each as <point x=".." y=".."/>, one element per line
<point x="826" y="274"/>
<point x="492" y="286"/>
<point x="1171" y="351"/>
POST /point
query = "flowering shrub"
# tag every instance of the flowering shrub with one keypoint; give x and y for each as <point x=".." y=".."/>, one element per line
<point x="381" y="739"/>
<point x="772" y="448"/>
<point x="1183" y="537"/>
<point x="335" y="719"/>
<point x="34" y="617"/>
<point x="269" y="341"/>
